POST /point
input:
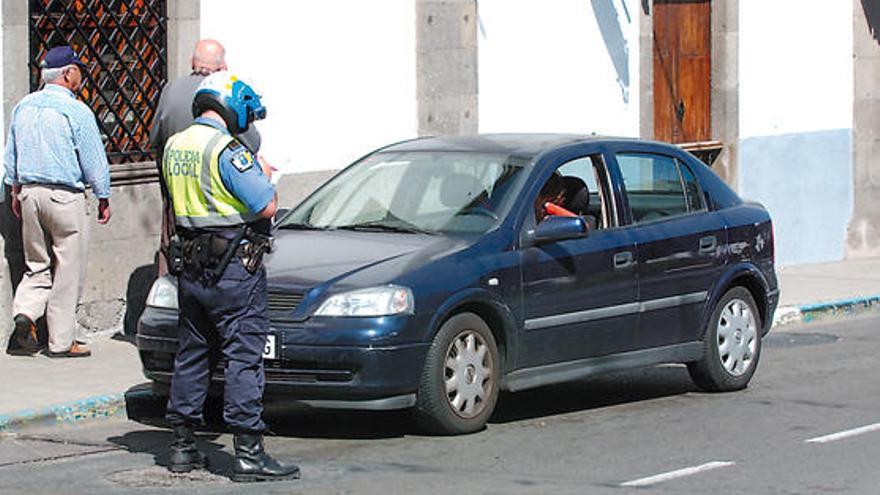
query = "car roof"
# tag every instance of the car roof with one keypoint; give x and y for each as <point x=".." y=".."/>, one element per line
<point x="511" y="144"/>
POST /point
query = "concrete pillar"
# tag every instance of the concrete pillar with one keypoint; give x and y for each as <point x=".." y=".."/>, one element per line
<point x="16" y="84"/>
<point x="446" y="67"/>
<point x="184" y="29"/>
<point x="725" y="88"/>
<point x="16" y="78"/>
<point x="863" y="232"/>
<point x="646" y="70"/>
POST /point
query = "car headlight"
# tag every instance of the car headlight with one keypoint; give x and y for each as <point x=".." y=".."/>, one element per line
<point x="375" y="301"/>
<point x="163" y="294"/>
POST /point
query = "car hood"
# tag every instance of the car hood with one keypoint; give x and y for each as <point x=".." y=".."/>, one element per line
<point x="305" y="259"/>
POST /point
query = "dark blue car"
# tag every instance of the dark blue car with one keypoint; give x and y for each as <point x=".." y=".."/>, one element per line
<point x="435" y="272"/>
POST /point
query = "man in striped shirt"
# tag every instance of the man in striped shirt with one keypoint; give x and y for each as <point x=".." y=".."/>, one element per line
<point x="53" y="151"/>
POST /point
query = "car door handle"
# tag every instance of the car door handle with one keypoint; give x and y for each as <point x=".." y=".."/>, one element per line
<point x="708" y="244"/>
<point x="623" y="259"/>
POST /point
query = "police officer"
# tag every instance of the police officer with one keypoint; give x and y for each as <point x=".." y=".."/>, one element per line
<point x="222" y="202"/>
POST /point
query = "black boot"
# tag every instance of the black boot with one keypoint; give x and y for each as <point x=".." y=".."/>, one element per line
<point x="253" y="464"/>
<point x="25" y="334"/>
<point x="185" y="456"/>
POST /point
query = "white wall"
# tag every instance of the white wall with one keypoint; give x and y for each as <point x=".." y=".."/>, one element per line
<point x="796" y="98"/>
<point x="796" y="70"/>
<point x="549" y="66"/>
<point x="338" y="76"/>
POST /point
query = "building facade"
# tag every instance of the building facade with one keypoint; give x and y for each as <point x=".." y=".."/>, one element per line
<point x="782" y="94"/>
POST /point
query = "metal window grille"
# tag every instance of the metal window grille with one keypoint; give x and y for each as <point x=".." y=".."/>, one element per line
<point x="124" y="44"/>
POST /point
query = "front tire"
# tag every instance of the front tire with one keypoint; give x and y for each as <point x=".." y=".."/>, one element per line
<point x="459" y="384"/>
<point x="731" y="345"/>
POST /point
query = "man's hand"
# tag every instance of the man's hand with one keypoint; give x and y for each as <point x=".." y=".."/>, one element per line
<point x="103" y="210"/>
<point x="16" y="204"/>
<point x="266" y="166"/>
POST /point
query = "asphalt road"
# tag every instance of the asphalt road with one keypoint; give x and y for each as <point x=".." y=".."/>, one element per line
<point x="809" y="423"/>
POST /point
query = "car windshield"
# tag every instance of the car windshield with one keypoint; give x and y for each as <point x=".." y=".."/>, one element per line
<point x="417" y="192"/>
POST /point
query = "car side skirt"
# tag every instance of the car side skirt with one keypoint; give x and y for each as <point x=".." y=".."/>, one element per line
<point x="572" y="370"/>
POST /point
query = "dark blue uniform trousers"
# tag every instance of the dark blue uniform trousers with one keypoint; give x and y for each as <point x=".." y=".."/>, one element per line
<point x="232" y="315"/>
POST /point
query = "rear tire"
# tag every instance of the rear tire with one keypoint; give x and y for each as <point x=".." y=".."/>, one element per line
<point x="731" y="344"/>
<point x="459" y="384"/>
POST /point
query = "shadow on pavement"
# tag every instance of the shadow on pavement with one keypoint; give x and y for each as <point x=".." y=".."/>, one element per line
<point x="144" y="406"/>
<point x="156" y="443"/>
<point x="335" y="424"/>
<point x="593" y="393"/>
<point x="287" y="419"/>
<point x="147" y="408"/>
<point x="290" y="419"/>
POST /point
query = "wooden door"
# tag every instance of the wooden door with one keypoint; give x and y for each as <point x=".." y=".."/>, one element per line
<point x="682" y="70"/>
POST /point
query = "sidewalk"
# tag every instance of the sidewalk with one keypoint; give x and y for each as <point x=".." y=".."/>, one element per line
<point x="824" y="290"/>
<point x="39" y="390"/>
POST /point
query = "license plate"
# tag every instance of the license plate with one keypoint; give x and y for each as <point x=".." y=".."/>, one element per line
<point x="269" y="352"/>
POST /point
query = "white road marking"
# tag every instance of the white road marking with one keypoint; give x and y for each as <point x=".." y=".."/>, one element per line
<point x="653" y="480"/>
<point x="845" y="434"/>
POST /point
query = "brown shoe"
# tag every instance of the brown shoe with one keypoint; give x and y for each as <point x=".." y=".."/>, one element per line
<point x="25" y="334"/>
<point x="76" y="350"/>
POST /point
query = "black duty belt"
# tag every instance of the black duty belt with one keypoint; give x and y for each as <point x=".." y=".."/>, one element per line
<point x="208" y="254"/>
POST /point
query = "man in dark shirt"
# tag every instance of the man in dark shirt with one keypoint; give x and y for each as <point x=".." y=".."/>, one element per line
<point x="174" y="114"/>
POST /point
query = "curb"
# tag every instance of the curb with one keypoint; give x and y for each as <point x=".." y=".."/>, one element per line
<point x="103" y="406"/>
<point x="787" y="315"/>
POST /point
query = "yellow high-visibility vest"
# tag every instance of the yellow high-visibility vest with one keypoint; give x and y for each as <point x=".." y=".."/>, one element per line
<point x="191" y="168"/>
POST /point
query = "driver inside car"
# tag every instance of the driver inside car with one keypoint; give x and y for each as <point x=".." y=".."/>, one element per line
<point x="551" y="198"/>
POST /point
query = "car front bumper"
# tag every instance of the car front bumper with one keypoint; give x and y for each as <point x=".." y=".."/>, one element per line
<point x="319" y="373"/>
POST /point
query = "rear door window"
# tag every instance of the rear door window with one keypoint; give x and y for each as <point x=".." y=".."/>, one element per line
<point x="654" y="186"/>
<point x="695" y="199"/>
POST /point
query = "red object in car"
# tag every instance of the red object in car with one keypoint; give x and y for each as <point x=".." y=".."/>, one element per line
<point x="556" y="210"/>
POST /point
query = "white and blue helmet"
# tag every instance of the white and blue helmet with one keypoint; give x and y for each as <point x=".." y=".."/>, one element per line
<point x="235" y="100"/>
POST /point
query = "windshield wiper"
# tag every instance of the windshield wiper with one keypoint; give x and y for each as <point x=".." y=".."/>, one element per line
<point x="384" y="227"/>
<point x="300" y="226"/>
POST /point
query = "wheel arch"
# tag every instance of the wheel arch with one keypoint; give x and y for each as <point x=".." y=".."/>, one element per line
<point x="748" y="276"/>
<point x="491" y="309"/>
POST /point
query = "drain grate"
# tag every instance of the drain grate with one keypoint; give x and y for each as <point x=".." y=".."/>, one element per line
<point x="159" y="477"/>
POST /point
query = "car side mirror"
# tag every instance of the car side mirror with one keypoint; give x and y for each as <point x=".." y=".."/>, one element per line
<point x="554" y="229"/>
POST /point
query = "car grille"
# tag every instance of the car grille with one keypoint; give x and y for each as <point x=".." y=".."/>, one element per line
<point x="283" y="302"/>
<point x="294" y="372"/>
<point x="162" y="364"/>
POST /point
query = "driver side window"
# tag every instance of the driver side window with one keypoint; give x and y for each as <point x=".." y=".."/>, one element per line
<point x="582" y="187"/>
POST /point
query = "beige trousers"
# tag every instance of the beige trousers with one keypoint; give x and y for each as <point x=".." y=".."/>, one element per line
<point x="53" y="223"/>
